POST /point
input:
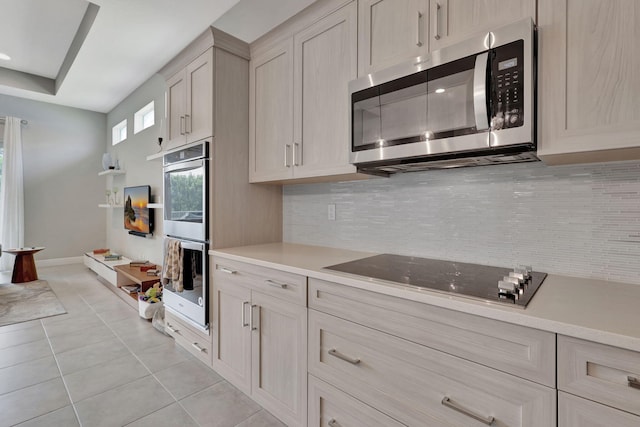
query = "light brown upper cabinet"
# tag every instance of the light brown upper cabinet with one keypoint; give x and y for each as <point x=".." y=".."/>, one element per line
<point x="588" y="81"/>
<point x="454" y="20"/>
<point x="299" y="116"/>
<point x="190" y="102"/>
<point x="391" y="31"/>
<point x="271" y="113"/>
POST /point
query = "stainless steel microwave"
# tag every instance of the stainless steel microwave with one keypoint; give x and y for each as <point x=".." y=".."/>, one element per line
<point x="469" y="104"/>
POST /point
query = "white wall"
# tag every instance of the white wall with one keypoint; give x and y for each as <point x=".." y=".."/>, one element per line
<point x="580" y="220"/>
<point x="62" y="150"/>
<point x="131" y="154"/>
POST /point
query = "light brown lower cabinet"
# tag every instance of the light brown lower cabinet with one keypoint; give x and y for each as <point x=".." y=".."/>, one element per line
<point x="419" y="386"/>
<point x="330" y="407"/>
<point x="194" y="341"/>
<point x="261" y="344"/>
<point x="599" y="373"/>
<point x="574" y="411"/>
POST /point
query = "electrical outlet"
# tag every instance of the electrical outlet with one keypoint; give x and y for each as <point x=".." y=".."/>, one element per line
<point x="331" y="212"/>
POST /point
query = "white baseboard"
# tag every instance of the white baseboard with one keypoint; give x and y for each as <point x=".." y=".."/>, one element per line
<point x="58" y="261"/>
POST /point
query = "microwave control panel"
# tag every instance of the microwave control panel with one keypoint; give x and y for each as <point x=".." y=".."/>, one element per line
<point x="507" y="75"/>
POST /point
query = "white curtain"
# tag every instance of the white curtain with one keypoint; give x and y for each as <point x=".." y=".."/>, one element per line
<point x="11" y="192"/>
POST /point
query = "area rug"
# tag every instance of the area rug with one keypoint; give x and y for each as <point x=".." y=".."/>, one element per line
<point x="27" y="301"/>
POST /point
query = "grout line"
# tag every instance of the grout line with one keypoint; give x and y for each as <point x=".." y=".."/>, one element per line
<point x="143" y="364"/>
<point x="64" y="382"/>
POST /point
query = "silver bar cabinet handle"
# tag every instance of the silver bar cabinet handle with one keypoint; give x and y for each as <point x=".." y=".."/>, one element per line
<point x="335" y="353"/>
<point x="197" y="347"/>
<point x="437" y="35"/>
<point x="296" y="154"/>
<point x="253" y="327"/>
<point x="244" y="311"/>
<point x="450" y="404"/>
<point x="276" y="284"/>
<point x="418" y="32"/>
<point x="333" y="423"/>
<point x="287" y="147"/>
<point x="182" y="125"/>
<point x="187" y="123"/>
<point x="633" y="382"/>
<point x="171" y="328"/>
<point x="227" y="270"/>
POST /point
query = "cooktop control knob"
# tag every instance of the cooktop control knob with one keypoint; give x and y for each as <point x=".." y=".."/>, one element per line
<point x="518" y="276"/>
<point x="525" y="270"/>
<point x="508" y="287"/>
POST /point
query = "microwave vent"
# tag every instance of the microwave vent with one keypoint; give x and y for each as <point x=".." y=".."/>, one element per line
<point x="423" y="164"/>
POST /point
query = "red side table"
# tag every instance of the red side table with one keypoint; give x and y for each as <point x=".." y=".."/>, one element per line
<point x="24" y="267"/>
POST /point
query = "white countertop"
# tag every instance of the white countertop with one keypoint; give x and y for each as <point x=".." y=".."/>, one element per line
<point x="595" y="310"/>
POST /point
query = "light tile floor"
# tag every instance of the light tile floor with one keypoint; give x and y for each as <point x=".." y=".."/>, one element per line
<point x="102" y="365"/>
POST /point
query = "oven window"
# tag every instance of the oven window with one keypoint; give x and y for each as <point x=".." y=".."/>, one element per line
<point x="192" y="277"/>
<point x="450" y="108"/>
<point x="184" y="195"/>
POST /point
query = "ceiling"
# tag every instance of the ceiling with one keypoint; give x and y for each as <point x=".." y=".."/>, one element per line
<point x="92" y="55"/>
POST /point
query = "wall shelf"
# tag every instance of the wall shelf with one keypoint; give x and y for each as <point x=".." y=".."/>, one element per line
<point x="155" y="156"/>
<point x="112" y="172"/>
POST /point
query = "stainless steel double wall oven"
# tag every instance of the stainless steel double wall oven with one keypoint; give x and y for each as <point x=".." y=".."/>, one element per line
<point x="186" y="202"/>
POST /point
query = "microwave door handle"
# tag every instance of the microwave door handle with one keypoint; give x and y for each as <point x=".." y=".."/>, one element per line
<point x="480" y="91"/>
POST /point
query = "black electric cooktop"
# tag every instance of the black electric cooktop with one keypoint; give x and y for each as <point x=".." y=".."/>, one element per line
<point x="459" y="278"/>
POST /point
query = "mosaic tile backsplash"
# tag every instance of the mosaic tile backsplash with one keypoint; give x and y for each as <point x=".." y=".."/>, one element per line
<point x="580" y="220"/>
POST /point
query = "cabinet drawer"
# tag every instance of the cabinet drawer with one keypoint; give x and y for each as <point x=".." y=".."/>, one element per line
<point x="327" y="403"/>
<point x="280" y="284"/>
<point x="420" y="386"/>
<point x="524" y="352"/>
<point x="577" y="412"/>
<point x="599" y="372"/>
<point x="196" y="342"/>
<point x="101" y="270"/>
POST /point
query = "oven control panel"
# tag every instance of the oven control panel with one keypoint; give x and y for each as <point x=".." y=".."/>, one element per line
<point x="507" y="74"/>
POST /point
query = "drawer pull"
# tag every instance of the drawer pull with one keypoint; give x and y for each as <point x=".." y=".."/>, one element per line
<point x="276" y="284"/>
<point x="197" y="347"/>
<point x="633" y="382"/>
<point x="172" y="329"/>
<point x="244" y="314"/>
<point x="333" y="423"/>
<point x="227" y="270"/>
<point x="450" y="404"/>
<point x="335" y="353"/>
<point x="251" y="325"/>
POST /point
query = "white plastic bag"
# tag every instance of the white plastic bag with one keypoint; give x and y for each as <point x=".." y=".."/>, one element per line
<point x="158" y="320"/>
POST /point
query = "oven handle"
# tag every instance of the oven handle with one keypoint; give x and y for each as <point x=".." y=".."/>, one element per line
<point x="191" y="164"/>
<point x="193" y="246"/>
<point x="480" y="91"/>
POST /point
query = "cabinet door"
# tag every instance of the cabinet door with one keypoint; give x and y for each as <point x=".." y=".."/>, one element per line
<point x="176" y="106"/>
<point x="576" y="412"/>
<point x="271" y="114"/>
<point x="199" y="115"/>
<point x="325" y="58"/>
<point x="588" y="80"/>
<point x="232" y="351"/>
<point x="454" y="20"/>
<point x="279" y="359"/>
<point x="391" y="31"/>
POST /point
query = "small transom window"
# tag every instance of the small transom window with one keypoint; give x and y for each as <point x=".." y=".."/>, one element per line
<point x="119" y="132"/>
<point x="144" y="118"/>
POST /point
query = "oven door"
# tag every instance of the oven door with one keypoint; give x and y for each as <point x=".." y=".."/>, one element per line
<point x="439" y="110"/>
<point x="185" y="200"/>
<point x="191" y="301"/>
